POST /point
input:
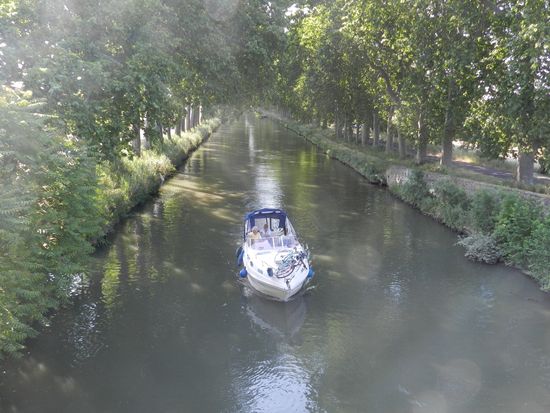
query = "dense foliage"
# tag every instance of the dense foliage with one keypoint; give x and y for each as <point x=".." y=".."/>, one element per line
<point x="481" y="247"/>
<point x="434" y="72"/>
<point x="424" y="71"/>
<point x="417" y="192"/>
<point x="99" y="102"/>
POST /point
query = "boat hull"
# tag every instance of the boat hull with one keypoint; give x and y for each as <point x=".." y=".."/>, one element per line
<point x="259" y="266"/>
<point x="278" y="292"/>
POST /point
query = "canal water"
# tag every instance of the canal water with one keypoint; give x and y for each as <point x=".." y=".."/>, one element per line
<point x="395" y="320"/>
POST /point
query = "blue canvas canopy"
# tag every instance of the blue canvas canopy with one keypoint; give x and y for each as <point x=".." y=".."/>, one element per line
<point x="266" y="213"/>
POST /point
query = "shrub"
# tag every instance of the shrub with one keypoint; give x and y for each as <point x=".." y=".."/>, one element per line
<point x="516" y="221"/>
<point x="415" y="190"/>
<point x="453" y="204"/>
<point x="372" y="171"/>
<point x="538" y="253"/>
<point x="481" y="248"/>
<point x="484" y="211"/>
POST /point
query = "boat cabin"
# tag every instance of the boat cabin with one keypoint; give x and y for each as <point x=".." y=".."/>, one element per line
<point x="276" y="231"/>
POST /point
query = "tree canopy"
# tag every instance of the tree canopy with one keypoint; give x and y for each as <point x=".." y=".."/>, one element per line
<point x="436" y="71"/>
<point x="428" y="70"/>
<point x="82" y="85"/>
<point x="107" y="71"/>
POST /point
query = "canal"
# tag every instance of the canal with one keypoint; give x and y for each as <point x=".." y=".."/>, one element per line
<point x="395" y="320"/>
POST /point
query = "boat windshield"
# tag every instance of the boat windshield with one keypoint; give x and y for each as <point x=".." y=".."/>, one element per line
<point x="273" y="243"/>
<point x="270" y="227"/>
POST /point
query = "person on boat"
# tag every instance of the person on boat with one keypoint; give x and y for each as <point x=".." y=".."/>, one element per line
<point x="254" y="234"/>
<point x="266" y="233"/>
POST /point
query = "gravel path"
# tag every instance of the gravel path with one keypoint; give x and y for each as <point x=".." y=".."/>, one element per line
<point x="497" y="173"/>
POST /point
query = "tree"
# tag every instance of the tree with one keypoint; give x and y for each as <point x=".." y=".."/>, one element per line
<point x="516" y="83"/>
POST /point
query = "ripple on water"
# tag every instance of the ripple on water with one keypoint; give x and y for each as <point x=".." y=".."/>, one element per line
<point x="280" y="384"/>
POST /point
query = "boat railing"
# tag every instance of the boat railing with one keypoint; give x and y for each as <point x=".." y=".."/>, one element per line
<point x="273" y="243"/>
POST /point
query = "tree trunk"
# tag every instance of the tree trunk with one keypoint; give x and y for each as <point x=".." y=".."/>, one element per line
<point x="447" y="143"/>
<point x="200" y="114"/>
<point x="169" y="131"/>
<point x="338" y="124"/>
<point x="161" y="132"/>
<point x="136" y="143"/>
<point x="402" y="144"/>
<point x="389" y="137"/>
<point x="422" y="137"/>
<point x="375" y="129"/>
<point x="178" y="127"/>
<point x="448" y="129"/>
<point x="182" y="119"/>
<point x="179" y="123"/>
<point x="349" y="130"/>
<point x="195" y="116"/>
<point x="324" y="124"/>
<point x="364" y="133"/>
<point x="187" y="118"/>
<point x="526" y="166"/>
<point x="447" y="155"/>
<point x="365" y="129"/>
<point x="345" y="129"/>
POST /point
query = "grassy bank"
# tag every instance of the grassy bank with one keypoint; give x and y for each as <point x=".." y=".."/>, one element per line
<point x="133" y="181"/>
<point x="373" y="168"/>
<point x="494" y="223"/>
<point x="57" y="203"/>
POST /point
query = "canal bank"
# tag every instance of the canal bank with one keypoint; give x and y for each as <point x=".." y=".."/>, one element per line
<point x="143" y="176"/>
<point x="495" y="223"/>
<point x="81" y="201"/>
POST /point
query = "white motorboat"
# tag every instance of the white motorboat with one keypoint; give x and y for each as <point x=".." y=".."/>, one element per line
<point x="274" y="261"/>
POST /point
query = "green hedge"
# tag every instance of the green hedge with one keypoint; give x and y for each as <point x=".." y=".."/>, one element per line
<point x="133" y="181"/>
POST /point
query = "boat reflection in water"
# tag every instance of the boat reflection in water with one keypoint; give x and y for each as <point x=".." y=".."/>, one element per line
<point x="280" y="319"/>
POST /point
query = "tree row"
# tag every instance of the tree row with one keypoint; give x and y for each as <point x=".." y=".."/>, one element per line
<point x="424" y="72"/>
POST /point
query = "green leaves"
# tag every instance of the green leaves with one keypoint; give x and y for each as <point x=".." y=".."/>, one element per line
<point x="538" y="252"/>
<point x="108" y="71"/>
<point x="484" y="209"/>
<point x="516" y="221"/>
<point x="469" y="70"/>
<point x="516" y="75"/>
<point x="24" y="291"/>
<point x="90" y="80"/>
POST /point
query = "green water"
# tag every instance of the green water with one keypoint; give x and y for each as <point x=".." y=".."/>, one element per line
<point x="396" y="319"/>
